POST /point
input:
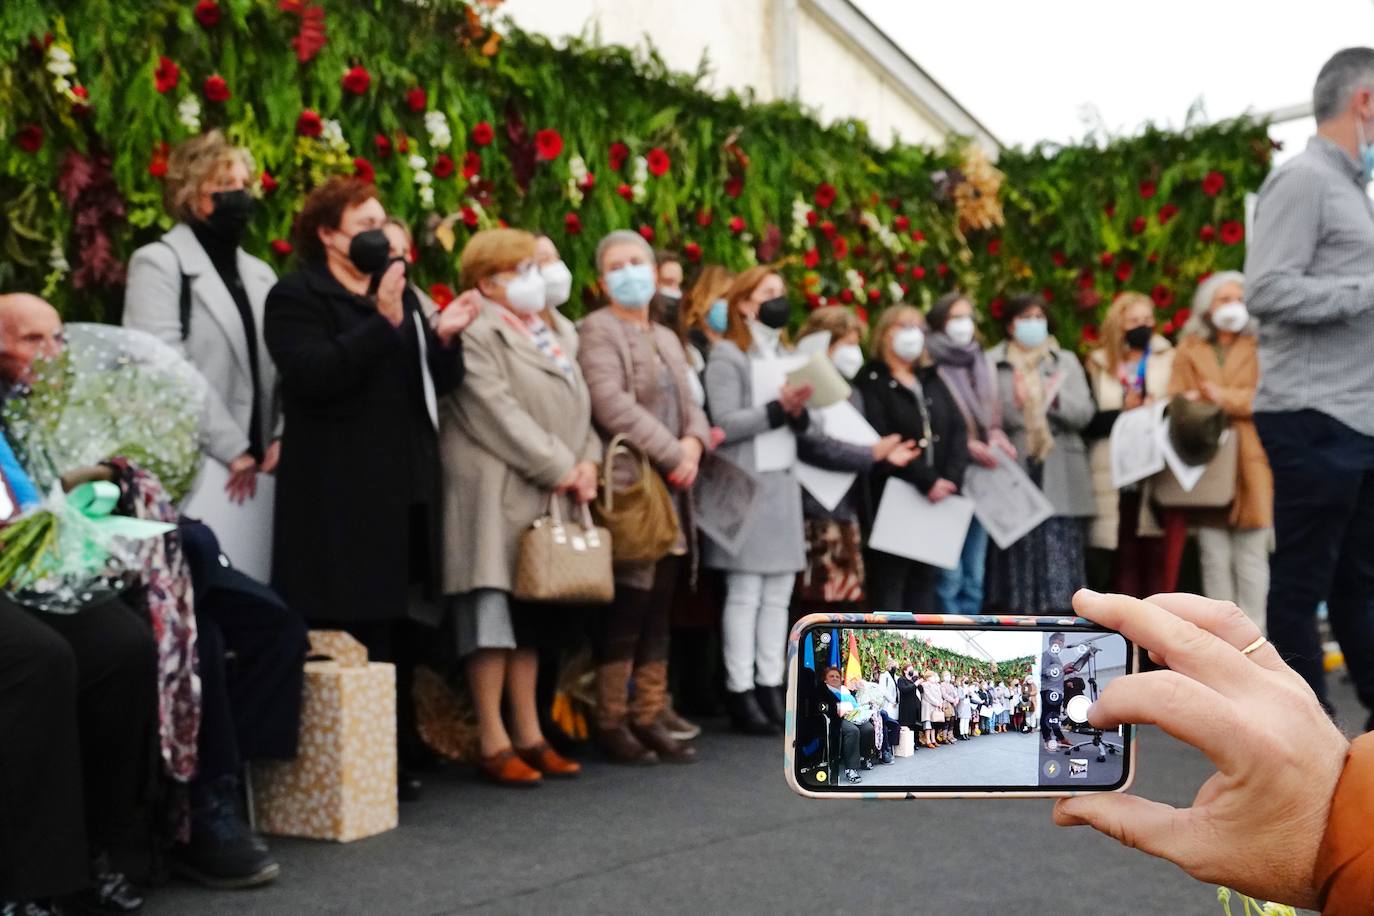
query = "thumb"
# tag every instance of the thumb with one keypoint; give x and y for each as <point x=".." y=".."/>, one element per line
<point x="1138" y="823"/>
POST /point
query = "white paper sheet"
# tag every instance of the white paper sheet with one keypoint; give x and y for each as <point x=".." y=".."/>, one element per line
<point x="840" y="421"/>
<point x="909" y="525"/>
<point x="1187" y="475"/>
<point x="244" y="530"/>
<point x="775" y="450"/>
<point x="1007" y="502"/>
<point x="1135" y="445"/>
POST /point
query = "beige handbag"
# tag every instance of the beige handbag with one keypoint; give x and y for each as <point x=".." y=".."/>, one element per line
<point x="564" y="562"/>
<point x="1215" y="490"/>
<point x="641" y="518"/>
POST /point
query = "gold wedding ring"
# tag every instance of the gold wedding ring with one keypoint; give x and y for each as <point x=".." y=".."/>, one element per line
<point x="1253" y="646"/>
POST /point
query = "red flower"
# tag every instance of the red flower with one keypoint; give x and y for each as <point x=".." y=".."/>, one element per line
<point x="309" y="124"/>
<point x="382" y="143"/>
<point x="874" y="294"/>
<point x="443" y="166"/>
<point x="828" y="229"/>
<point x="918" y="236"/>
<point x="705" y="218"/>
<point x="1182" y="315"/>
<point x="647" y="232"/>
<point x="166" y="75"/>
<point x="918" y="272"/>
<point x="1166" y="213"/>
<point x="364" y="170"/>
<point x="941" y="270"/>
<point x="442" y="294"/>
<point x="658" y="161"/>
<point x="1138" y="224"/>
<point x="1213" y="183"/>
<point x="548" y="144"/>
<point x="483" y="133"/>
<point x="157" y="166"/>
<point x="1047" y="294"/>
<point x="899" y="269"/>
<point x="1202" y="278"/>
<point x="1162" y="295"/>
<point x="1232" y="232"/>
<point x="902" y="223"/>
<point x="216" y="89"/>
<point x="267" y="182"/>
<point x="281" y="247"/>
<point x="840" y="245"/>
<point x="1106" y="259"/>
<point x="402" y="143"/>
<point x="1147" y="189"/>
<point x="1085" y="278"/>
<point x="693" y="251"/>
<point x="472" y="165"/>
<point x="811" y="258"/>
<point x="356" y="80"/>
<point x="736" y="224"/>
<point x="1089" y="334"/>
<point x="995" y="247"/>
<point x="29" y="138"/>
<point x="997" y="308"/>
<point x="626" y="191"/>
<point x="825" y="195"/>
<point x="1123" y="271"/>
<point x="417" y="99"/>
<point x="861" y="313"/>
<point x="470" y="217"/>
<point x="572" y="224"/>
<point x="1059" y="259"/>
<point x="846" y="296"/>
<point x="734" y="187"/>
<point x="207" y="13"/>
<point x="813" y="300"/>
<point x="1110" y="210"/>
<point x="83" y="94"/>
<point x="618" y="154"/>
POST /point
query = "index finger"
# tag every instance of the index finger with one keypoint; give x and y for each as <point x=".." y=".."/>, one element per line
<point x="1179" y="643"/>
<point x="1227" y="621"/>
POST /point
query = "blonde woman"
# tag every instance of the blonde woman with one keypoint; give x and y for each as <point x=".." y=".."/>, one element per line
<point x="1218" y="361"/>
<point x="932" y="709"/>
<point x="1130" y="369"/>
<point x="198" y="291"/>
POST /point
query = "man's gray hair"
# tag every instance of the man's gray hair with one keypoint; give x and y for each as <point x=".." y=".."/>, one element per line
<point x="622" y="237"/>
<point x="1340" y="76"/>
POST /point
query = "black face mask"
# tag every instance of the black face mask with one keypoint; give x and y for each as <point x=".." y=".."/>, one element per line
<point x="667" y="308"/>
<point x="775" y="313"/>
<point x="230" y="217"/>
<point x="697" y="338"/>
<point x="370" y="251"/>
<point x="1139" y="338"/>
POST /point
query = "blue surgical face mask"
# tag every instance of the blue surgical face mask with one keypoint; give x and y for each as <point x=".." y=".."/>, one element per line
<point x="633" y="285"/>
<point x="718" y="318"/>
<point x="1031" y="332"/>
<point x="1366" y="154"/>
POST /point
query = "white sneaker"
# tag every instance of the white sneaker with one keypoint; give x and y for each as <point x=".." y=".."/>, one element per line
<point x="853" y="776"/>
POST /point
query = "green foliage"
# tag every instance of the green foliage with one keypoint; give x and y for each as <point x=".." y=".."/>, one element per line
<point x="876" y="646"/>
<point x="730" y="157"/>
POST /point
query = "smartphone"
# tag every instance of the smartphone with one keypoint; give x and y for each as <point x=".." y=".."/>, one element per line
<point x="942" y="706"/>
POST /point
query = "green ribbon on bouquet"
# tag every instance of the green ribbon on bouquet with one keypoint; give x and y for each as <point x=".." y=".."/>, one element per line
<point x="97" y="499"/>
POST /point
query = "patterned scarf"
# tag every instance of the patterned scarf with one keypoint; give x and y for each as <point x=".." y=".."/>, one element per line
<point x="1026" y="364"/>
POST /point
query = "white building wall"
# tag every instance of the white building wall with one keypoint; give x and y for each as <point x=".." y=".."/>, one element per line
<point x="834" y="78"/>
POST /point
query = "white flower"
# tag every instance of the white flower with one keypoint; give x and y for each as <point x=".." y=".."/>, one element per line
<point x="894" y="289"/>
<point x="424" y="178"/>
<point x="60" y="61"/>
<point x="436" y="124"/>
<point x="641" y="172"/>
<point x="577" y="167"/>
<point x="639" y="192"/>
<point x="61" y="84"/>
<point x="574" y="192"/>
<point x="188" y="113"/>
<point x="427" y="197"/>
<point x="856" y="282"/>
<point x="57" y="259"/>
<point x="417" y="162"/>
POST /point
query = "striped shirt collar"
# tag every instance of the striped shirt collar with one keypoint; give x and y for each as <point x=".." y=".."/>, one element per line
<point x="1338" y="157"/>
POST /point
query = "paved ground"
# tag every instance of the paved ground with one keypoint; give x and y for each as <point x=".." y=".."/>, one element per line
<point x="723" y="836"/>
<point x="987" y="760"/>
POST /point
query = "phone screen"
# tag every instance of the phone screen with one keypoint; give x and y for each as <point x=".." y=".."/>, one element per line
<point x="957" y="708"/>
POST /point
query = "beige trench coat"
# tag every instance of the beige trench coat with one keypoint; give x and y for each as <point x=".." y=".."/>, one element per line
<point x="507" y="436"/>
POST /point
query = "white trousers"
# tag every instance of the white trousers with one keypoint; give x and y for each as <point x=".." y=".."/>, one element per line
<point x="1235" y="567"/>
<point x="754" y="629"/>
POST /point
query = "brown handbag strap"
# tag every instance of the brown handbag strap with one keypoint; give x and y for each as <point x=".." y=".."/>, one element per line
<point x="621" y="444"/>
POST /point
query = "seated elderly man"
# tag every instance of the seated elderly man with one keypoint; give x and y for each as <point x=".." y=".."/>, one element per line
<point x="250" y="706"/>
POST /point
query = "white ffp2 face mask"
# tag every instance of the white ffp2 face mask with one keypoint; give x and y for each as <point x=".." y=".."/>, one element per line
<point x="909" y="344"/>
<point x="960" y="330"/>
<point x="848" y="359"/>
<point x="526" y="292"/>
<point x="557" y="283"/>
<point x="1231" y="317"/>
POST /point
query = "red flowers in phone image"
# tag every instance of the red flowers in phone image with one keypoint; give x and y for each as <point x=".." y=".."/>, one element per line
<point x="1147" y="189"/>
<point x="1207" y="234"/>
<point x="472" y="165"/>
<point x="1166" y="213"/>
<point x="658" y="161"/>
<point x="483" y="133"/>
<point x="825" y="195"/>
<point x="1162" y="295"/>
<point x="1213" y="184"/>
<point x="356" y="80"/>
<point x="625" y="191"/>
<point x="208" y="14"/>
<point x="216" y="89"/>
<point x="309" y="124"/>
<point x="417" y="99"/>
<point x="736" y="224"/>
<point x="443" y="166"/>
<point x="619" y="152"/>
<point x="157" y="166"/>
<point x="1232" y="232"/>
<point x="441" y="293"/>
<point x="281" y="247"/>
<point x="693" y="251"/>
<point x="995" y="247"/>
<point x="382" y="143"/>
<point x="548" y="144"/>
<point x="572" y="224"/>
<point x="166" y="75"/>
<point x="29" y="138"/>
<point x="647" y="232"/>
<point x="812" y="258"/>
<point x="267" y="182"/>
<point x="364" y="170"/>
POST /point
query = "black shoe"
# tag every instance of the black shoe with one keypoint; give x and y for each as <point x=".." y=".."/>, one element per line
<point x="223" y="852"/>
<point x="746" y="716"/>
<point x="773" y="703"/>
<point x="887" y="755"/>
<point x="408" y="786"/>
<point x="867" y="763"/>
<point x="29" y="908"/>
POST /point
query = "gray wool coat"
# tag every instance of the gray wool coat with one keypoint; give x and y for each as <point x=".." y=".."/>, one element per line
<point x="1067" y="480"/>
<point x="774" y="541"/>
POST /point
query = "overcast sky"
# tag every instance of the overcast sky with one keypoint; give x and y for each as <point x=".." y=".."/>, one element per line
<point x="1028" y="70"/>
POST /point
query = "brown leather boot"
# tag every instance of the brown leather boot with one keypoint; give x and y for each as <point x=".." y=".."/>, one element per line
<point x="670" y="750"/>
<point x="622" y="746"/>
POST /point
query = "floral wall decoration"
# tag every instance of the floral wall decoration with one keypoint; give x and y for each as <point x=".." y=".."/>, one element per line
<point x="877" y="646"/>
<point x="464" y="122"/>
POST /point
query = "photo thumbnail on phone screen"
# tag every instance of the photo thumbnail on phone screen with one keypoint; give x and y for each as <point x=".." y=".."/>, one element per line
<point x="947" y="709"/>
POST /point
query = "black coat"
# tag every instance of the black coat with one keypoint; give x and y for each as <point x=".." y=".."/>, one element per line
<point x="908" y="703"/>
<point x="891" y="407"/>
<point x="357" y="513"/>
